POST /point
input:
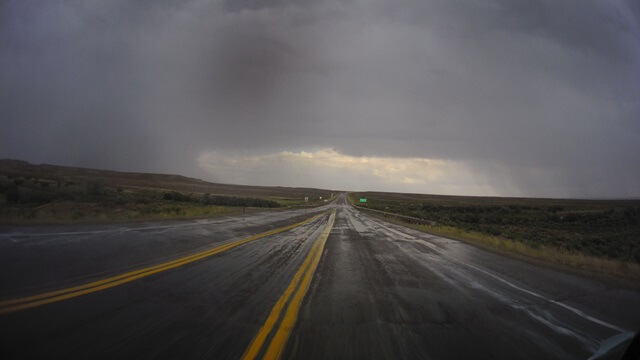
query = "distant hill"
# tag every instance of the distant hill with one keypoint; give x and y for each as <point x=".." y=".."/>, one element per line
<point x="19" y="168"/>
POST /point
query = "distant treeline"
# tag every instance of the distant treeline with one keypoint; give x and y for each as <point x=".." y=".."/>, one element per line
<point x="220" y="200"/>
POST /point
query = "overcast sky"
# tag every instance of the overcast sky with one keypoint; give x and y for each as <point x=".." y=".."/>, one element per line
<point x="502" y="97"/>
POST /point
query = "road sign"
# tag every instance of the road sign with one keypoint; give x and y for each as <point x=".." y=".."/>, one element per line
<point x="363" y="200"/>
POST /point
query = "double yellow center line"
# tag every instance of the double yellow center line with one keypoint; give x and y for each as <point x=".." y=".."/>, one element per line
<point x="301" y="281"/>
<point x="9" y="306"/>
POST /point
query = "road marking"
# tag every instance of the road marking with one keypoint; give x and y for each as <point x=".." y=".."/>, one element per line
<point x="532" y="293"/>
<point x="264" y="331"/>
<point x="550" y="301"/>
<point x="301" y="281"/>
<point x="9" y="306"/>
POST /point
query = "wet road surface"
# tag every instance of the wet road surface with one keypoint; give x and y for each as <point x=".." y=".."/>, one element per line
<point x="332" y="283"/>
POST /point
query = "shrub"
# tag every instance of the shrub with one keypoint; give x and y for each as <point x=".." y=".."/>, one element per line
<point x="176" y="196"/>
<point x="94" y="187"/>
<point x="36" y="197"/>
<point x="13" y="194"/>
<point x="141" y="201"/>
<point x="244" y="202"/>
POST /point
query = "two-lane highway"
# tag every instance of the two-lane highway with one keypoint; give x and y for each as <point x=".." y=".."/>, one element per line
<point x="322" y="283"/>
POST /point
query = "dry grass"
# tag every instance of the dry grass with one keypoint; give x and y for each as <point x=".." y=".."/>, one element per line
<point x="82" y="213"/>
<point x="548" y="254"/>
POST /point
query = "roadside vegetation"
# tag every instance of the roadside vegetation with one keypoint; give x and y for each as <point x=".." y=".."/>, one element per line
<point x="34" y="194"/>
<point x="596" y="235"/>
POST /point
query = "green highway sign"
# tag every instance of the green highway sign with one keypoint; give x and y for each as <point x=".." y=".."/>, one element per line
<point x="363" y="200"/>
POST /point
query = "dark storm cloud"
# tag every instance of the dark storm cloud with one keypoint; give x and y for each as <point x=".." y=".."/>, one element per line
<point x="535" y="97"/>
<point x="68" y="86"/>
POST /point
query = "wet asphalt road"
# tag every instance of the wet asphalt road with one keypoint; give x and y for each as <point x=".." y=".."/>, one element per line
<point x="380" y="291"/>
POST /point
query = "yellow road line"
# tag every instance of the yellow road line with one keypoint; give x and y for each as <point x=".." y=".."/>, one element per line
<point x="13" y="305"/>
<point x="304" y="274"/>
<point x="258" y="341"/>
